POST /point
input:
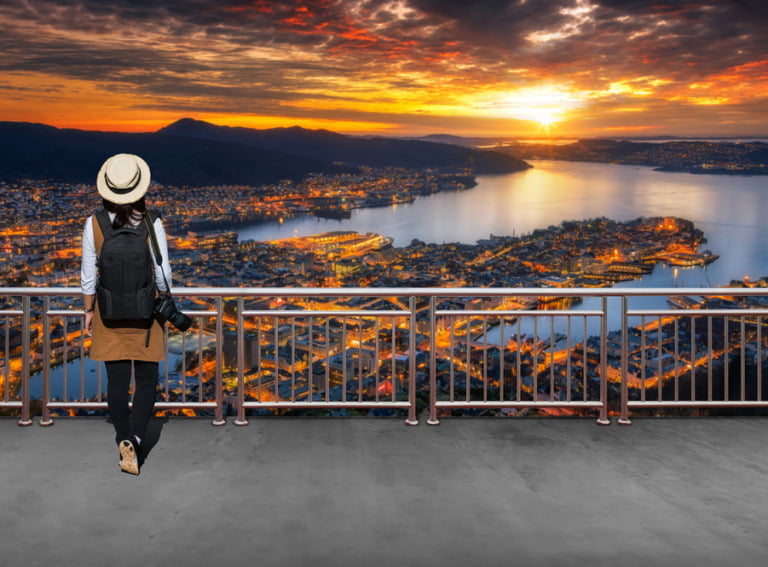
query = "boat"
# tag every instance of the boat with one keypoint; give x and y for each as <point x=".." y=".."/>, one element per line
<point x="688" y="259"/>
<point x="332" y="213"/>
<point x="683" y="302"/>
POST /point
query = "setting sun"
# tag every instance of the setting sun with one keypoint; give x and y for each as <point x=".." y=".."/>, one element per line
<point x="545" y="116"/>
<point x="544" y="105"/>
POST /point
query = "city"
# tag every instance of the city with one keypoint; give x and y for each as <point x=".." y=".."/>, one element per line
<point x="331" y="357"/>
<point x="44" y="220"/>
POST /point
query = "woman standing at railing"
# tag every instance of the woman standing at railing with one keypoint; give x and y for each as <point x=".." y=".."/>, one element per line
<point x="119" y="280"/>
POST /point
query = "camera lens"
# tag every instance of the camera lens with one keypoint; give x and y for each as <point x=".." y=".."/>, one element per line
<point x="165" y="310"/>
<point x="179" y="320"/>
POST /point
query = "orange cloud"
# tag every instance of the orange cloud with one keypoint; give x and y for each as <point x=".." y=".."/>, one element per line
<point x="417" y="65"/>
<point x="262" y="6"/>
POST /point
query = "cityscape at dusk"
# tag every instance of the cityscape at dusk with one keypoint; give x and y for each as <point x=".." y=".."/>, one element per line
<point x="532" y="223"/>
<point x="510" y="68"/>
<point x="250" y="115"/>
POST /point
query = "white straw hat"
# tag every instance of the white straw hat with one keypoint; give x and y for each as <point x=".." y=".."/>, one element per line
<point x="123" y="179"/>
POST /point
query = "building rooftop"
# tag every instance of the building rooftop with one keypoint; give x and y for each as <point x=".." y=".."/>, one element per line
<point x="373" y="491"/>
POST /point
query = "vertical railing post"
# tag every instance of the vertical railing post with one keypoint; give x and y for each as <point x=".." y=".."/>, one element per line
<point x="603" y="419"/>
<point x="240" y="363"/>
<point x="412" y="420"/>
<point x="219" y="377"/>
<point x="433" y="362"/>
<point x="624" y="413"/>
<point x="45" y="419"/>
<point x="26" y="355"/>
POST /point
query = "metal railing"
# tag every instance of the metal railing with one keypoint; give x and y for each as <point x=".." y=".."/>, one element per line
<point x="326" y="358"/>
<point x="15" y="371"/>
<point x="535" y="370"/>
<point x="398" y="351"/>
<point x="706" y="354"/>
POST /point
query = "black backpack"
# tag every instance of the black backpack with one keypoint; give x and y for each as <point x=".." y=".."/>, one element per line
<point x="126" y="288"/>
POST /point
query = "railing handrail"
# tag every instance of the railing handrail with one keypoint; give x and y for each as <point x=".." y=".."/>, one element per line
<point x="409" y="307"/>
<point x="415" y="291"/>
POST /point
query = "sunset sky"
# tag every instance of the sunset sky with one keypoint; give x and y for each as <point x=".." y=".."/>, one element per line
<point x="518" y="68"/>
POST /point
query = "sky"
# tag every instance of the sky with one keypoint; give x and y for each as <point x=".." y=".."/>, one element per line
<point x="508" y="68"/>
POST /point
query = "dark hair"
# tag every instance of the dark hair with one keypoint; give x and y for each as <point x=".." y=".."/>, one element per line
<point x="125" y="213"/>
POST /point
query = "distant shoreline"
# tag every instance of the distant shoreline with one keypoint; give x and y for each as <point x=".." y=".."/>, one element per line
<point x="696" y="157"/>
<point x="712" y="171"/>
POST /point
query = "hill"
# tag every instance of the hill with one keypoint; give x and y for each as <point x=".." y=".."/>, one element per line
<point x="191" y="152"/>
<point x="349" y="150"/>
<point x="36" y="151"/>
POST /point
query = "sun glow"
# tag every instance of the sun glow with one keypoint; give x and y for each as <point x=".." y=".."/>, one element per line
<point x="545" y="105"/>
<point x="545" y="116"/>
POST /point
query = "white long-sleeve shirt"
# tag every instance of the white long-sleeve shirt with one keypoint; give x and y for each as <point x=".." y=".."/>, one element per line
<point x="88" y="273"/>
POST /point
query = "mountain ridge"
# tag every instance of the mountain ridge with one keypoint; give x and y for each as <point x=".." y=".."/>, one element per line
<point x="39" y="151"/>
<point x="352" y="151"/>
<point x="191" y="152"/>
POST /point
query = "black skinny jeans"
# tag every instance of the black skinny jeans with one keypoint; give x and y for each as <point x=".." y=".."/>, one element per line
<point x="129" y="423"/>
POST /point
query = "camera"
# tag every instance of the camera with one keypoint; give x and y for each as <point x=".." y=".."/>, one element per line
<point x="165" y="310"/>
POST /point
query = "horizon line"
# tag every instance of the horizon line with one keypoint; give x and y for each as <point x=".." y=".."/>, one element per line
<point x="434" y="134"/>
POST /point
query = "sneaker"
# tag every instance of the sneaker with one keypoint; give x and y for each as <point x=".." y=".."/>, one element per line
<point x="129" y="462"/>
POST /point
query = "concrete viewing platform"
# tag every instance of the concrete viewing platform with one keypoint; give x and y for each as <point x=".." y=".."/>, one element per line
<point x="375" y="492"/>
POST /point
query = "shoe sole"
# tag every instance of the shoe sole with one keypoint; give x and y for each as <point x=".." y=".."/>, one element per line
<point x="128" y="461"/>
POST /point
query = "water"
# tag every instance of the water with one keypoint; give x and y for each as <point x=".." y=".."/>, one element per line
<point x="90" y="383"/>
<point x="730" y="209"/>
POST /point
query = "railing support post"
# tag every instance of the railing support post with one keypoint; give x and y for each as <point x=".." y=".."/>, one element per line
<point x="26" y="316"/>
<point x="624" y="414"/>
<point x="241" y="420"/>
<point x="412" y="420"/>
<point x="219" y="377"/>
<point x="432" y="420"/>
<point x="45" y="419"/>
<point x="603" y="419"/>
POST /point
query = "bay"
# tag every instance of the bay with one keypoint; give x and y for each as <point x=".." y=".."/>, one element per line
<point x="67" y="382"/>
<point x="730" y="209"/>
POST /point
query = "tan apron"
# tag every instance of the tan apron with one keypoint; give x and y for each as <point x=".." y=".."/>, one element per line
<point x="123" y="343"/>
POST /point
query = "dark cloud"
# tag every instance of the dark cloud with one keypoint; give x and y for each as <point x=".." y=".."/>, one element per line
<point x="264" y="56"/>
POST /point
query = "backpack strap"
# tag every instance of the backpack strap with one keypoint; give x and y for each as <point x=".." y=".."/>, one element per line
<point x="98" y="235"/>
<point x="102" y="227"/>
<point x="149" y="224"/>
<point x="105" y="224"/>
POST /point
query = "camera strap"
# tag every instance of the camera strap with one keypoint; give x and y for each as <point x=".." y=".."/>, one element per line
<point x="158" y="259"/>
<point x="156" y="250"/>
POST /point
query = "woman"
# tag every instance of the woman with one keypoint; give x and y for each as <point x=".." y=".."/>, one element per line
<point x="124" y="344"/>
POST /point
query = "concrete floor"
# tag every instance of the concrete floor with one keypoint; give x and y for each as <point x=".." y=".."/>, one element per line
<point x="374" y="492"/>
